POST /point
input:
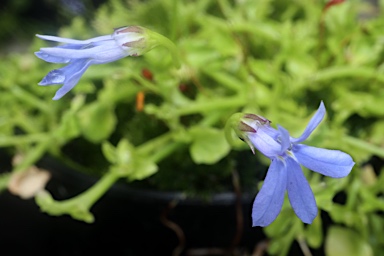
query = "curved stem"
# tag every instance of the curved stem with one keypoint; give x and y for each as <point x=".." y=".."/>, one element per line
<point x="164" y="41"/>
<point x="78" y="206"/>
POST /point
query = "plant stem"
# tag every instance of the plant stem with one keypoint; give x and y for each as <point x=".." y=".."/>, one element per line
<point x="364" y="145"/>
<point x="165" y="151"/>
<point x="152" y="145"/>
<point x="6" y="141"/>
<point x="34" y="154"/>
<point x="146" y="84"/>
<point x="345" y="71"/>
<point x="164" y="41"/>
<point x="206" y="106"/>
<point x="90" y="196"/>
<point x="77" y="207"/>
<point x="304" y="247"/>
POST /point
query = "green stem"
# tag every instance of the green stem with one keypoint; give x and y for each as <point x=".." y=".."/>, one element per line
<point x="6" y="141"/>
<point x="146" y="84"/>
<point x="344" y="71"/>
<point x="93" y="194"/>
<point x="77" y="207"/>
<point x="226" y="80"/>
<point x="33" y="155"/>
<point x="364" y="145"/>
<point x="164" y="41"/>
<point x="150" y="146"/>
<point x="31" y="100"/>
<point x="213" y="105"/>
<point x="165" y="151"/>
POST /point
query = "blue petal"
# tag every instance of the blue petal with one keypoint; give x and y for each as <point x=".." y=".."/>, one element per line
<point x="333" y="163"/>
<point x="50" y="58"/>
<point x="284" y="139"/>
<point x="55" y="76"/>
<point x="299" y="192"/>
<point x="315" y="121"/>
<point x="68" y="75"/>
<point x="55" y="59"/>
<point x="73" y="41"/>
<point x="264" y="142"/>
<point x="269" y="200"/>
<point x="73" y="73"/>
<point x="106" y="52"/>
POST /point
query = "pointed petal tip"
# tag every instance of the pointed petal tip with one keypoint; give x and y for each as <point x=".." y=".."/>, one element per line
<point x="41" y="36"/>
<point x="308" y="221"/>
<point x="313" y="123"/>
<point x="259" y="223"/>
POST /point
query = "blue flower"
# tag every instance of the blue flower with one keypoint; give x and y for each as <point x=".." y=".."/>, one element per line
<point x="80" y="54"/>
<point x="287" y="154"/>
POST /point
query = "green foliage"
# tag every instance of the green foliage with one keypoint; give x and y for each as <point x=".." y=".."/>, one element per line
<point x="208" y="146"/>
<point x="97" y="121"/>
<point x="343" y="241"/>
<point x="127" y="162"/>
<point x="275" y="58"/>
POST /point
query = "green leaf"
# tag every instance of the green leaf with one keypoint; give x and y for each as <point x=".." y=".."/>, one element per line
<point x="142" y="168"/>
<point x="69" y="126"/>
<point x="128" y="162"/>
<point x="109" y="152"/>
<point x="209" y="145"/>
<point x="344" y="241"/>
<point x="97" y="121"/>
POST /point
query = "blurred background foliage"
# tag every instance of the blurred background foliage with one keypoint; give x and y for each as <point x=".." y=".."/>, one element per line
<point x="275" y="58"/>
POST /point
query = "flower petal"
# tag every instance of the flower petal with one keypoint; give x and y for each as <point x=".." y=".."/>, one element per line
<point x="73" y="41"/>
<point x="55" y="76"/>
<point x="333" y="163"/>
<point x="284" y="139"/>
<point x="50" y="58"/>
<point x="300" y="193"/>
<point x="107" y="52"/>
<point x="315" y="121"/>
<point x="73" y="73"/>
<point x="269" y="200"/>
<point x="264" y="142"/>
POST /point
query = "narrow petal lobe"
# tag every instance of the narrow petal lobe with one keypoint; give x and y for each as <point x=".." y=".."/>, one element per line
<point x="300" y="193"/>
<point x="73" y="73"/>
<point x="284" y="139"/>
<point x="269" y="200"/>
<point x="315" y="121"/>
<point x="73" y="41"/>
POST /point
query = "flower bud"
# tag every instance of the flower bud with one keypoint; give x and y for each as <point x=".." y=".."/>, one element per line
<point x="133" y="39"/>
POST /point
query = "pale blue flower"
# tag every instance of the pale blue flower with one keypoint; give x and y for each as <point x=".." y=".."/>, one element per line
<point x="80" y="54"/>
<point x="285" y="173"/>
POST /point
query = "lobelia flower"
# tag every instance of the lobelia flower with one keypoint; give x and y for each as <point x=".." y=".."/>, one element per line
<point x="286" y="154"/>
<point x="80" y="54"/>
